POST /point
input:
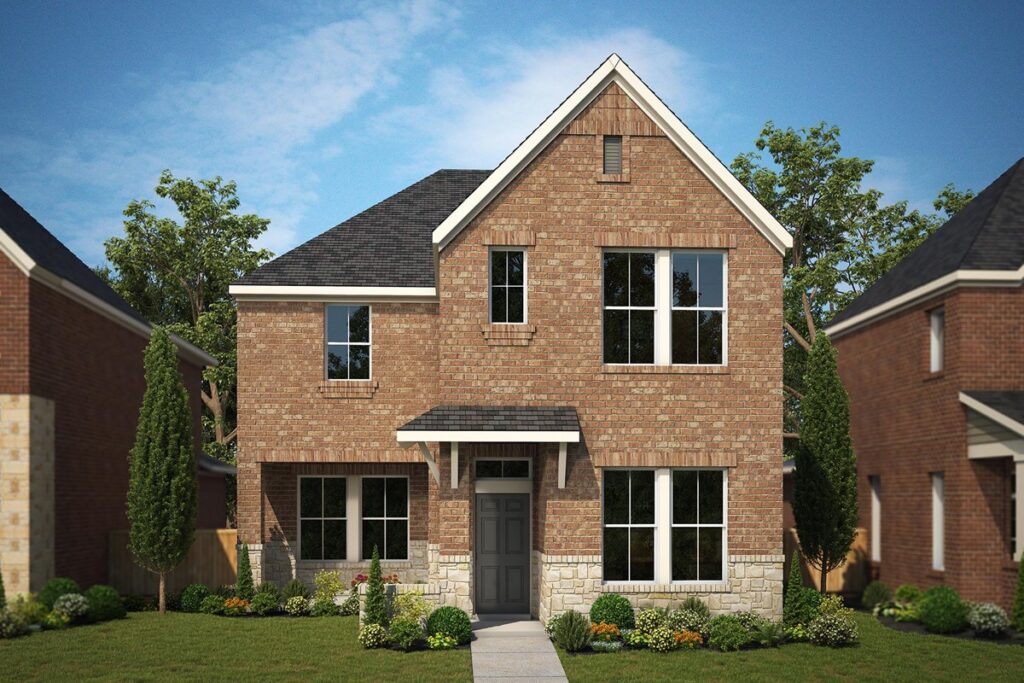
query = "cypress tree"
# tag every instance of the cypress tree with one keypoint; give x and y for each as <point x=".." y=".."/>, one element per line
<point x="376" y="610"/>
<point x="1017" y="616"/>
<point x="825" y="500"/>
<point x="3" y="594"/>
<point x="791" y="604"/>
<point x="162" y="483"/>
<point x="243" y="586"/>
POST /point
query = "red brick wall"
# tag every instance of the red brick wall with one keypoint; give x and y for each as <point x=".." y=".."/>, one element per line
<point x="14" y="328"/>
<point x="906" y="423"/>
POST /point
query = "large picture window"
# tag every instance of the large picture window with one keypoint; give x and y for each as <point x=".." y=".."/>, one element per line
<point x="698" y="308"/>
<point x="629" y="525"/>
<point x="698" y="525"/>
<point x="386" y="517"/>
<point x="348" y="342"/>
<point x="508" y="285"/>
<point x="629" y="327"/>
<point x="322" y="518"/>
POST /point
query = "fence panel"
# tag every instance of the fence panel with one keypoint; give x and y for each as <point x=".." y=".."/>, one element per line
<point x="849" y="579"/>
<point x="212" y="560"/>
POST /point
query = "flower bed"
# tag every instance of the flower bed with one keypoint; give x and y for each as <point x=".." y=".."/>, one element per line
<point x="60" y="604"/>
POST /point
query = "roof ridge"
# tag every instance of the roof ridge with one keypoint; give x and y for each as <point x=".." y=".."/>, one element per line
<point x="1013" y="171"/>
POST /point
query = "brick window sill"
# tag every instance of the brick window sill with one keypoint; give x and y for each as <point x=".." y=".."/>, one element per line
<point x="932" y="376"/>
<point x="347" y="389"/>
<point x="508" y="334"/>
<point x="665" y="369"/>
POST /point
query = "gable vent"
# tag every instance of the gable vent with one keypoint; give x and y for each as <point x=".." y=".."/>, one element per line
<point x="613" y="154"/>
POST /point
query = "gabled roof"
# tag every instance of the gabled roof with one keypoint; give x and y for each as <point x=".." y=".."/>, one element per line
<point x="386" y="246"/>
<point x="513" y="424"/>
<point x="43" y="257"/>
<point x="982" y="244"/>
<point x="1005" y="408"/>
<point x="614" y="70"/>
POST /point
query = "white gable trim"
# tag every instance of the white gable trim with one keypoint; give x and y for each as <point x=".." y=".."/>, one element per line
<point x="614" y="70"/>
<point x="992" y="414"/>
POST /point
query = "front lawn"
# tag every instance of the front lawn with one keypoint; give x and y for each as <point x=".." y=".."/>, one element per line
<point x="883" y="655"/>
<point x="148" y="647"/>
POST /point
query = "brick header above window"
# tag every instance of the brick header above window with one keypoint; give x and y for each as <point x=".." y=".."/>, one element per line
<point x="667" y="458"/>
<point x="664" y="240"/>
<point x="509" y="238"/>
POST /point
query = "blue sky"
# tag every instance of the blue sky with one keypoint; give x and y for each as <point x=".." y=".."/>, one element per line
<point x="319" y="110"/>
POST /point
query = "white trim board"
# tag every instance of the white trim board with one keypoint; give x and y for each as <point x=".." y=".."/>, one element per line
<point x="34" y="271"/>
<point x="992" y="414"/>
<point x="362" y="295"/>
<point x="410" y="436"/>
<point x="614" y="70"/>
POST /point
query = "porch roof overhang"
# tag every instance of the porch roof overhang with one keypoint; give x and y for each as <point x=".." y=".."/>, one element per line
<point x="493" y="424"/>
<point x="1004" y="412"/>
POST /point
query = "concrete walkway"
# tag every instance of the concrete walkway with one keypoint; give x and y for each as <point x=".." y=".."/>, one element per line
<point x="513" y="650"/>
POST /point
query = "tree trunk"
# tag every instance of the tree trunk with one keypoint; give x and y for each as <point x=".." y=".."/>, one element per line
<point x="824" y="578"/>
<point x="163" y="593"/>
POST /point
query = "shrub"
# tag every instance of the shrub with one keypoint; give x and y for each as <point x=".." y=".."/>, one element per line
<point x="1017" y="613"/>
<point x="324" y="608"/>
<point x="648" y="620"/>
<point x="297" y="606"/>
<point x="234" y="607"/>
<point x="271" y="589"/>
<point x="55" y="588"/>
<point x="54" y="621"/>
<point x="192" y="597"/>
<point x="264" y="604"/>
<point x="372" y="636"/>
<point x="441" y="641"/>
<point x="800" y="604"/>
<point x="452" y="621"/>
<point x="612" y="608"/>
<point x="796" y="634"/>
<point x="74" y="606"/>
<point x="3" y="593"/>
<point x="328" y="585"/>
<point x="695" y="604"/>
<point x="687" y="619"/>
<point x="405" y="632"/>
<point x="375" y="611"/>
<point x="833" y="630"/>
<point x="727" y="633"/>
<point x="212" y="604"/>
<point x="27" y="609"/>
<point x="11" y="624"/>
<point x="833" y="604"/>
<point x="907" y="614"/>
<point x="661" y="639"/>
<point x="605" y="632"/>
<point x="226" y="591"/>
<point x="552" y="626"/>
<point x="634" y="638"/>
<point x="412" y="605"/>
<point x="243" y="585"/>
<point x="770" y="634"/>
<point x="688" y="640"/>
<point x="104" y="604"/>
<point x="752" y="622"/>
<point x="138" y="603"/>
<point x="294" y="588"/>
<point x="876" y="593"/>
<point x="350" y="606"/>
<point x="907" y="594"/>
<point x="942" y="610"/>
<point x="988" y="620"/>
<point x="573" y="632"/>
<point x="606" y="645"/>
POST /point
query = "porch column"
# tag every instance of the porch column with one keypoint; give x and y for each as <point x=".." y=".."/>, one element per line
<point x="1018" y="464"/>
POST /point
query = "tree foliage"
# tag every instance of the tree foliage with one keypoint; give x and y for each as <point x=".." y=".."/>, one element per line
<point x="1017" y="614"/>
<point x="162" y="480"/>
<point x="243" y="584"/>
<point x="376" y="608"/>
<point x="825" y="499"/>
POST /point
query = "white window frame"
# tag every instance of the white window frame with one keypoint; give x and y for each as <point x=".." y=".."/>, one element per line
<point x="937" y="339"/>
<point x="723" y="309"/>
<point x="663" y="305"/>
<point x="386" y="518"/>
<point x="299" y="517"/>
<point x="700" y="525"/>
<point x="631" y="526"/>
<point x="875" y="483"/>
<point x="328" y="343"/>
<point x="529" y="468"/>
<point x="938" y="521"/>
<point x="663" y="525"/>
<point x="491" y="285"/>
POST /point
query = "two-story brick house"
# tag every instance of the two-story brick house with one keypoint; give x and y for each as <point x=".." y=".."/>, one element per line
<point x="931" y="356"/>
<point x="531" y="385"/>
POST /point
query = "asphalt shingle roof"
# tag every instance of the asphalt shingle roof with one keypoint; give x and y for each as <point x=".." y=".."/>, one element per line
<point x="496" y="419"/>
<point x="388" y="245"/>
<point x="1009" y="403"/>
<point x="987" y="234"/>
<point x="49" y="253"/>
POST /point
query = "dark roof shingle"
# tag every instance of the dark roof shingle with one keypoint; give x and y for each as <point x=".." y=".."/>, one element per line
<point x="1009" y="403"/>
<point x="496" y="419"/>
<point x="987" y="234"/>
<point x="388" y="245"/>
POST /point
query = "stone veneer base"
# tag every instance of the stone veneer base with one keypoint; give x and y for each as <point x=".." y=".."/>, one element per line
<point x="275" y="561"/>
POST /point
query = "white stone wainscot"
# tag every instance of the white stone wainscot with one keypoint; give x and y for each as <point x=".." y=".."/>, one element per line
<point x="279" y="564"/>
<point x="455" y="580"/>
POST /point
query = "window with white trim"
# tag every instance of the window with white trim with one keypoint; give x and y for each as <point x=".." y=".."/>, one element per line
<point x="938" y="521"/>
<point x="508" y="285"/>
<point x="698" y="525"/>
<point x="875" y="482"/>
<point x="322" y="518"/>
<point x="348" y="342"/>
<point x="385" y="515"/>
<point x="698" y="307"/>
<point x="629" y="284"/>
<point x="629" y="525"/>
<point x="937" y="323"/>
<point x="502" y="468"/>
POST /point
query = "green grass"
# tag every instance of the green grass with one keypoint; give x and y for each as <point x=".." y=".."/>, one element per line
<point x="883" y="655"/>
<point x="148" y="647"/>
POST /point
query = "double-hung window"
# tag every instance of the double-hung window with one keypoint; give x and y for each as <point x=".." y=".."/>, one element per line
<point x="348" y="342"/>
<point x="698" y="525"/>
<point x="386" y="517"/>
<point x="508" y="285"/>
<point x="629" y="525"/>
<point x="322" y="518"/>
<point x="629" y="284"/>
<point x="698" y="308"/>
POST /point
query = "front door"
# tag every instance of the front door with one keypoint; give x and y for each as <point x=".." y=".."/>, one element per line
<point x="502" y="553"/>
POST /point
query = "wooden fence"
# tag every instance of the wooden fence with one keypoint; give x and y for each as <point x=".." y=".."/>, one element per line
<point x="212" y="560"/>
<point x="849" y="579"/>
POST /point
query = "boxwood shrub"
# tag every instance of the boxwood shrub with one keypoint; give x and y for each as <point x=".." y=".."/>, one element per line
<point x="942" y="611"/>
<point x="876" y="593"/>
<point x="612" y="608"/>
<point x="104" y="604"/>
<point x="192" y="597"/>
<point x="727" y="633"/>
<point x="452" y="621"/>
<point x="55" y="588"/>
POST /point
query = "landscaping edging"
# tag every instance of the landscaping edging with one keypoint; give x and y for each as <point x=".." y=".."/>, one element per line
<point x="1011" y="638"/>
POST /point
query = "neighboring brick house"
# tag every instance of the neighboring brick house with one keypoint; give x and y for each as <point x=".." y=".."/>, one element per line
<point x="931" y="356"/>
<point x="462" y="373"/>
<point x="71" y="385"/>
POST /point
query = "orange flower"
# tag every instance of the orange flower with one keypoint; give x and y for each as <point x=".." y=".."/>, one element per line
<point x="688" y="639"/>
<point x="605" y="631"/>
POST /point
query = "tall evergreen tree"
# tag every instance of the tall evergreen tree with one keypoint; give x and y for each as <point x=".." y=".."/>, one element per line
<point x="243" y="586"/>
<point x="376" y="610"/>
<point x="1017" y="615"/>
<point x="3" y="594"/>
<point x="825" y="500"/>
<point x="794" y="593"/>
<point x="162" y="484"/>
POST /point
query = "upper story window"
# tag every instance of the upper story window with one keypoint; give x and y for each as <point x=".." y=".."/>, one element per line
<point x="937" y="321"/>
<point x="508" y="285"/>
<point x="348" y="342"/>
<point x="612" y="154"/>
<point x="665" y="307"/>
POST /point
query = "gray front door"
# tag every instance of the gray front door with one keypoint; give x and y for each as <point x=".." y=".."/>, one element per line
<point x="502" y="553"/>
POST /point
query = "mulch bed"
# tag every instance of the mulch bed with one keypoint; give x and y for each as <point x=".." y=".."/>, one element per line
<point x="1012" y="637"/>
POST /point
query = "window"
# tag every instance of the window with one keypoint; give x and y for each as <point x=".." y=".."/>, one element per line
<point x="322" y="518"/>
<point x="937" y="320"/>
<point x="348" y="342"/>
<point x="508" y="286"/>
<point x="612" y="154"/>
<point x="698" y="525"/>
<point x="664" y="525"/>
<point x="938" y="521"/>
<point x="386" y="517"/>
<point x="698" y="308"/>
<point x="876" y="517"/>
<point x="1016" y="509"/>
<point x="629" y="525"/>
<point x="629" y="284"/>
<point x="502" y="469"/>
